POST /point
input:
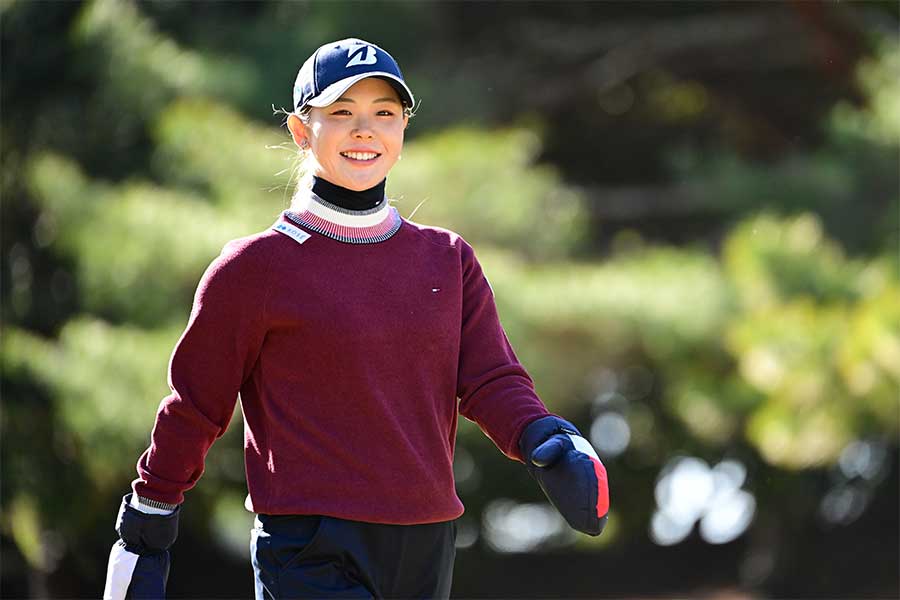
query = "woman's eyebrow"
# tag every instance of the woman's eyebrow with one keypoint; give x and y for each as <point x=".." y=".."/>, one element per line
<point x="352" y="101"/>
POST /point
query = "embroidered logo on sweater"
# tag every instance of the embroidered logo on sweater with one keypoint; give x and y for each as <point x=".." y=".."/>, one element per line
<point x="298" y="235"/>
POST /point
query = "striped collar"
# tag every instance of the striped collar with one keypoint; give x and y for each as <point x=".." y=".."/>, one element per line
<point x="351" y="226"/>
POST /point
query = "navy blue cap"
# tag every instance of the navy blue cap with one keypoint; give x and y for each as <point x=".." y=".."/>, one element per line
<point x="336" y="66"/>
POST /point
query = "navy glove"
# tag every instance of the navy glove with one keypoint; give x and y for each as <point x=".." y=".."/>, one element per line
<point x="139" y="561"/>
<point x="569" y="472"/>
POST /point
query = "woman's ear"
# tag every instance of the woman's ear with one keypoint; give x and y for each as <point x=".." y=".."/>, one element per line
<point x="298" y="131"/>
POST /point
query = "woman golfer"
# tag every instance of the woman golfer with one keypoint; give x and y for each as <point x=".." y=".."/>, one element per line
<point x="353" y="337"/>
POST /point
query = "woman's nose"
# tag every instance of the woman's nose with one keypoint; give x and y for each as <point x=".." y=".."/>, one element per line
<point x="363" y="130"/>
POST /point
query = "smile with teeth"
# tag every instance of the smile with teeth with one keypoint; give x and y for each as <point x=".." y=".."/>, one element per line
<point x="360" y="155"/>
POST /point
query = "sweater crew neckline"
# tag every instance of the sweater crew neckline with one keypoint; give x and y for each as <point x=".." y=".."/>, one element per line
<point x="371" y="226"/>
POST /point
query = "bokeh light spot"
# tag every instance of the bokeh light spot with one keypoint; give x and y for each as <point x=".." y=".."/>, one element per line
<point x="610" y="434"/>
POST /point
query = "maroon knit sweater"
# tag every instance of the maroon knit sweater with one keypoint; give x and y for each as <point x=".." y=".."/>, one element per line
<point x="353" y="338"/>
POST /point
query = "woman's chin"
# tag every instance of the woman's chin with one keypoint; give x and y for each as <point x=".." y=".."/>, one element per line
<point x="355" y="184"/>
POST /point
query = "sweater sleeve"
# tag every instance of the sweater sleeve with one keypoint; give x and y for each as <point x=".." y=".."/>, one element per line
<point x="214" y="356"/>
<point x="494" y="389"/>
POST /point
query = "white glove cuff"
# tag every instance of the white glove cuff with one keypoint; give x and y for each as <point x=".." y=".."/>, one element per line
<point x="143" y="505"/>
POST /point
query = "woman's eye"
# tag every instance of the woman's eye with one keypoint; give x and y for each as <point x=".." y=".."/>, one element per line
<point x="385" y="113"/>
<point x="342" y="111"/>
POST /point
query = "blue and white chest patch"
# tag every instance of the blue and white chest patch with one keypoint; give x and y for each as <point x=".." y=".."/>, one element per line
<point x="296" y="233"/>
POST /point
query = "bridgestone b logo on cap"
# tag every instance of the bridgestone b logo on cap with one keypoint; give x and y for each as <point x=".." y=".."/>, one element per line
<point x="361" y="54"/>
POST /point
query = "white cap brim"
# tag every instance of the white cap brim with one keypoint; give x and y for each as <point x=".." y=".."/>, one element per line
<point x="336" y="89"/>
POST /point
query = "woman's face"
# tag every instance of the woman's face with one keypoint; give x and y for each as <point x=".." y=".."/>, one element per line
<point x="358" y="138"/>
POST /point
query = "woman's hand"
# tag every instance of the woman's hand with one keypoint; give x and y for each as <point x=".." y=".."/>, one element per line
<point x="139" y="560"/>
<point x="569" y="472"/>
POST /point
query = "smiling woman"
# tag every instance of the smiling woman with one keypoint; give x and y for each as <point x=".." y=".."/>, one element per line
<point x="354" y="339"/>
<point x="356" y="140"/>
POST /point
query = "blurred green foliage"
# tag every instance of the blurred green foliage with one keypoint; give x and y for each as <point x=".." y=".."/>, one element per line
<point x="144" y="70"/>
<point x="485" y="185"/>
<point x="779" y="339"/>
<point x="799" y="343"/>
<point x="106" y="384"/>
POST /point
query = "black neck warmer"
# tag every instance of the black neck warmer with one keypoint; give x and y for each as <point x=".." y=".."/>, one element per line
<point x="341" y="196"/>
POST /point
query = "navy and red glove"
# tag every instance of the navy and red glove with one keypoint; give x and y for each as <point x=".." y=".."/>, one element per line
<point x="569" y="472"/>
<point x="139" y="561"/>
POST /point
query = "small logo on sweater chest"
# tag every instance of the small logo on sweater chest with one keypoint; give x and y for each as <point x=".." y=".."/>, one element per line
<point x="298" y="235"/>
<point x="435" y="290"/>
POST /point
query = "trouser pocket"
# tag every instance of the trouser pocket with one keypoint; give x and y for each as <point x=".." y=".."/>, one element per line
<point x="292" y="558"/>
<point x="279" y="542"/>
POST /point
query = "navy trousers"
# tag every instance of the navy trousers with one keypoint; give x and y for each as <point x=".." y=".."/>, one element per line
<point x="311" y="556"/>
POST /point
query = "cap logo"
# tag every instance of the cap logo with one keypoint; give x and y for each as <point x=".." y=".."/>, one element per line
<point x="361" y="54"/>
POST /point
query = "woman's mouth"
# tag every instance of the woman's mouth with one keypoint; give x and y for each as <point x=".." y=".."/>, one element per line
<point x="360" y="156"/>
